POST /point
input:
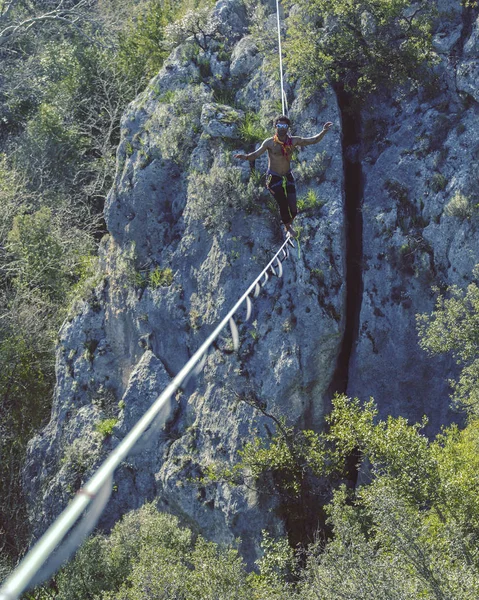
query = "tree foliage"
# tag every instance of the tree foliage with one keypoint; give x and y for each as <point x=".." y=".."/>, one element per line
<point x="149" y="555"/>
<point x="453" y="328"/>
<point x="360" y="47"/>
<point x="409" y="530"/>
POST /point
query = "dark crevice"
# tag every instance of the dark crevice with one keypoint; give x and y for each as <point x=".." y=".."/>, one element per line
<point x="469" y="16"/>
<point x="353" y="187"/>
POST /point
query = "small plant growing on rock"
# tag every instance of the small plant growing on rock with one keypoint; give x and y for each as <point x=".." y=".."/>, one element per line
<point x="314" y="169"/>
<point x="438" y="183"/>
<point x="216" y="196"/>
<point x="251" y="130"/>
<point x="79" y="458"/>
<point x="318" y="275"/>
<point x="105" y="428"/>
<point x="195" y="319"/>
<point x="160" y="277"/>
<point x="459" y="206"/>
<point x="397" y="191"/>
<point x="174" y="125"/>
<point x="310" y="201"/>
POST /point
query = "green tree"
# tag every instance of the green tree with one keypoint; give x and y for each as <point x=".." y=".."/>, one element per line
<point x="38" y="259"/>
<point x="26" y="379"/>
<point x="394" y="448"/>
<point x="410" y="530"/>
<point x="148" y="555"/>
<point x="360" y="47"/>
<point x="141" y="48"/>
<point x="453" y="328"/>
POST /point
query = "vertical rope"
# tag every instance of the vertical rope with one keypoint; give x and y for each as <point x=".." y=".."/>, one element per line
<point x="283" y="97"/>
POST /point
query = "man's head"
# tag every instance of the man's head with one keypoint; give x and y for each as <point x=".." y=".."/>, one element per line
<point x="282" y="125"/>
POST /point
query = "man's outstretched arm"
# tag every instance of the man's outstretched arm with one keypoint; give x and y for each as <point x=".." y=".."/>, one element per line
<point x="301" y="141"/>
<point x="253" y="155"/>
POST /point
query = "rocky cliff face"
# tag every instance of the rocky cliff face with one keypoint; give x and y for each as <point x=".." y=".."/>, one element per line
<point x="188" y="230"/>
<point x="419" y="160"/>
<point x="181" y="202"/>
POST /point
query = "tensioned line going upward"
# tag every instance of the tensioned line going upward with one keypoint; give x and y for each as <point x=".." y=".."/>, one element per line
<point x="284" y="103"/>
<point x="56" y="546"/>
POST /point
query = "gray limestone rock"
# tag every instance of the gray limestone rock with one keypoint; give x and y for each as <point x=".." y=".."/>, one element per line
<point x="467" y="77"/>
<point x="411" y="244"/>
<point x="245" y="58"/>
<point x="221" y="121"/>
<point x="471" y="47"/>
<point x="232" y="16"/>
<point x="190" y="228"/>
<point x="444" y="41"/>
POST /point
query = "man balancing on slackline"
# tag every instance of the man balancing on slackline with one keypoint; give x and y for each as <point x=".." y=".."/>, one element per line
<point x="279" y="178"/>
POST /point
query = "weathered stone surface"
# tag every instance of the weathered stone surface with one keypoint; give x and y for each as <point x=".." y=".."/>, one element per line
<point x="245" y="58"/>
<point x="444" y="41"/>
<point x="471" y="47"/>
<point x="467" y="78"/>
<point x="138" y="336"/>
<point x="232" y="15"/>
<point x="122" y="345"/>
<point x="427" y="154"/>
<point x="222" y="121"/>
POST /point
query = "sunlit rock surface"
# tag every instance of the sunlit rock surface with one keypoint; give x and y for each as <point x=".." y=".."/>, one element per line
<point x="189" y="228"/>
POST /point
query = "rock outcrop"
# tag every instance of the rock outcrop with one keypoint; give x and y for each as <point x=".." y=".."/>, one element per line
<point x="188" y="229"/>
<point x="420" y="226"/>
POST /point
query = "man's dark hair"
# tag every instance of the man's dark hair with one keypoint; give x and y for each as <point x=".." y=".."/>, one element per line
<point x="282" y="119"/>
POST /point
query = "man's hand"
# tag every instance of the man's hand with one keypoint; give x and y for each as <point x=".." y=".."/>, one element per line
<point x="327" y="126"/>
<point x="241" y="156"/>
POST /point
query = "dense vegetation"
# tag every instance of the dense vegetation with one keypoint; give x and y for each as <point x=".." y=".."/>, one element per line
<point x="362" y="47"/>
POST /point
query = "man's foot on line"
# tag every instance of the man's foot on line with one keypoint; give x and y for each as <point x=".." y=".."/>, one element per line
<point x="291" y="231"/>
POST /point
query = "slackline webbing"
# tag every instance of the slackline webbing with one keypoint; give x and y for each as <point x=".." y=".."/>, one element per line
<point x="75" y="523"/>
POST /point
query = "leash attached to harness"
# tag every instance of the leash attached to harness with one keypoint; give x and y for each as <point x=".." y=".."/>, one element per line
<point x="282" y="182"/>
<point x="284" y="102"/>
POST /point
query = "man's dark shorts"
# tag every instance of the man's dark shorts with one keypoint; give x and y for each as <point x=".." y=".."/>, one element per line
<point x="283" y="189"/>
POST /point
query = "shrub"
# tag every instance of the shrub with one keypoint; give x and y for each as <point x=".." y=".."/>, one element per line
<point x="79" y="458"/>
<point x="141" y="50"/>
<point x="105" y="428"/>
<point x="160" y="277"/>
<point x="438" y="183"/>
<point x="175" y="125"/>
<point x="198" y="24"/>
<point x="38" y="253"/>
<point x="49" y="150"/>
<point x="310" y="201"/>
<point x="453" y="328"/>
<point x="148" y="555"/>
<point x="26" y="382"/>
<point x="251" y="130"/>
<point x="360" y="46"/>
<point x="397" y="191"/>
<point x="459" y="206"/>
<point x="215" y="197"/>
<point x="314" y="168"/>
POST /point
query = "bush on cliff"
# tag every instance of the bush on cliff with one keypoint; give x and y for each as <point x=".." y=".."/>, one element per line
<point x="453" y="328"/>
<point x="360" y="46"/>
